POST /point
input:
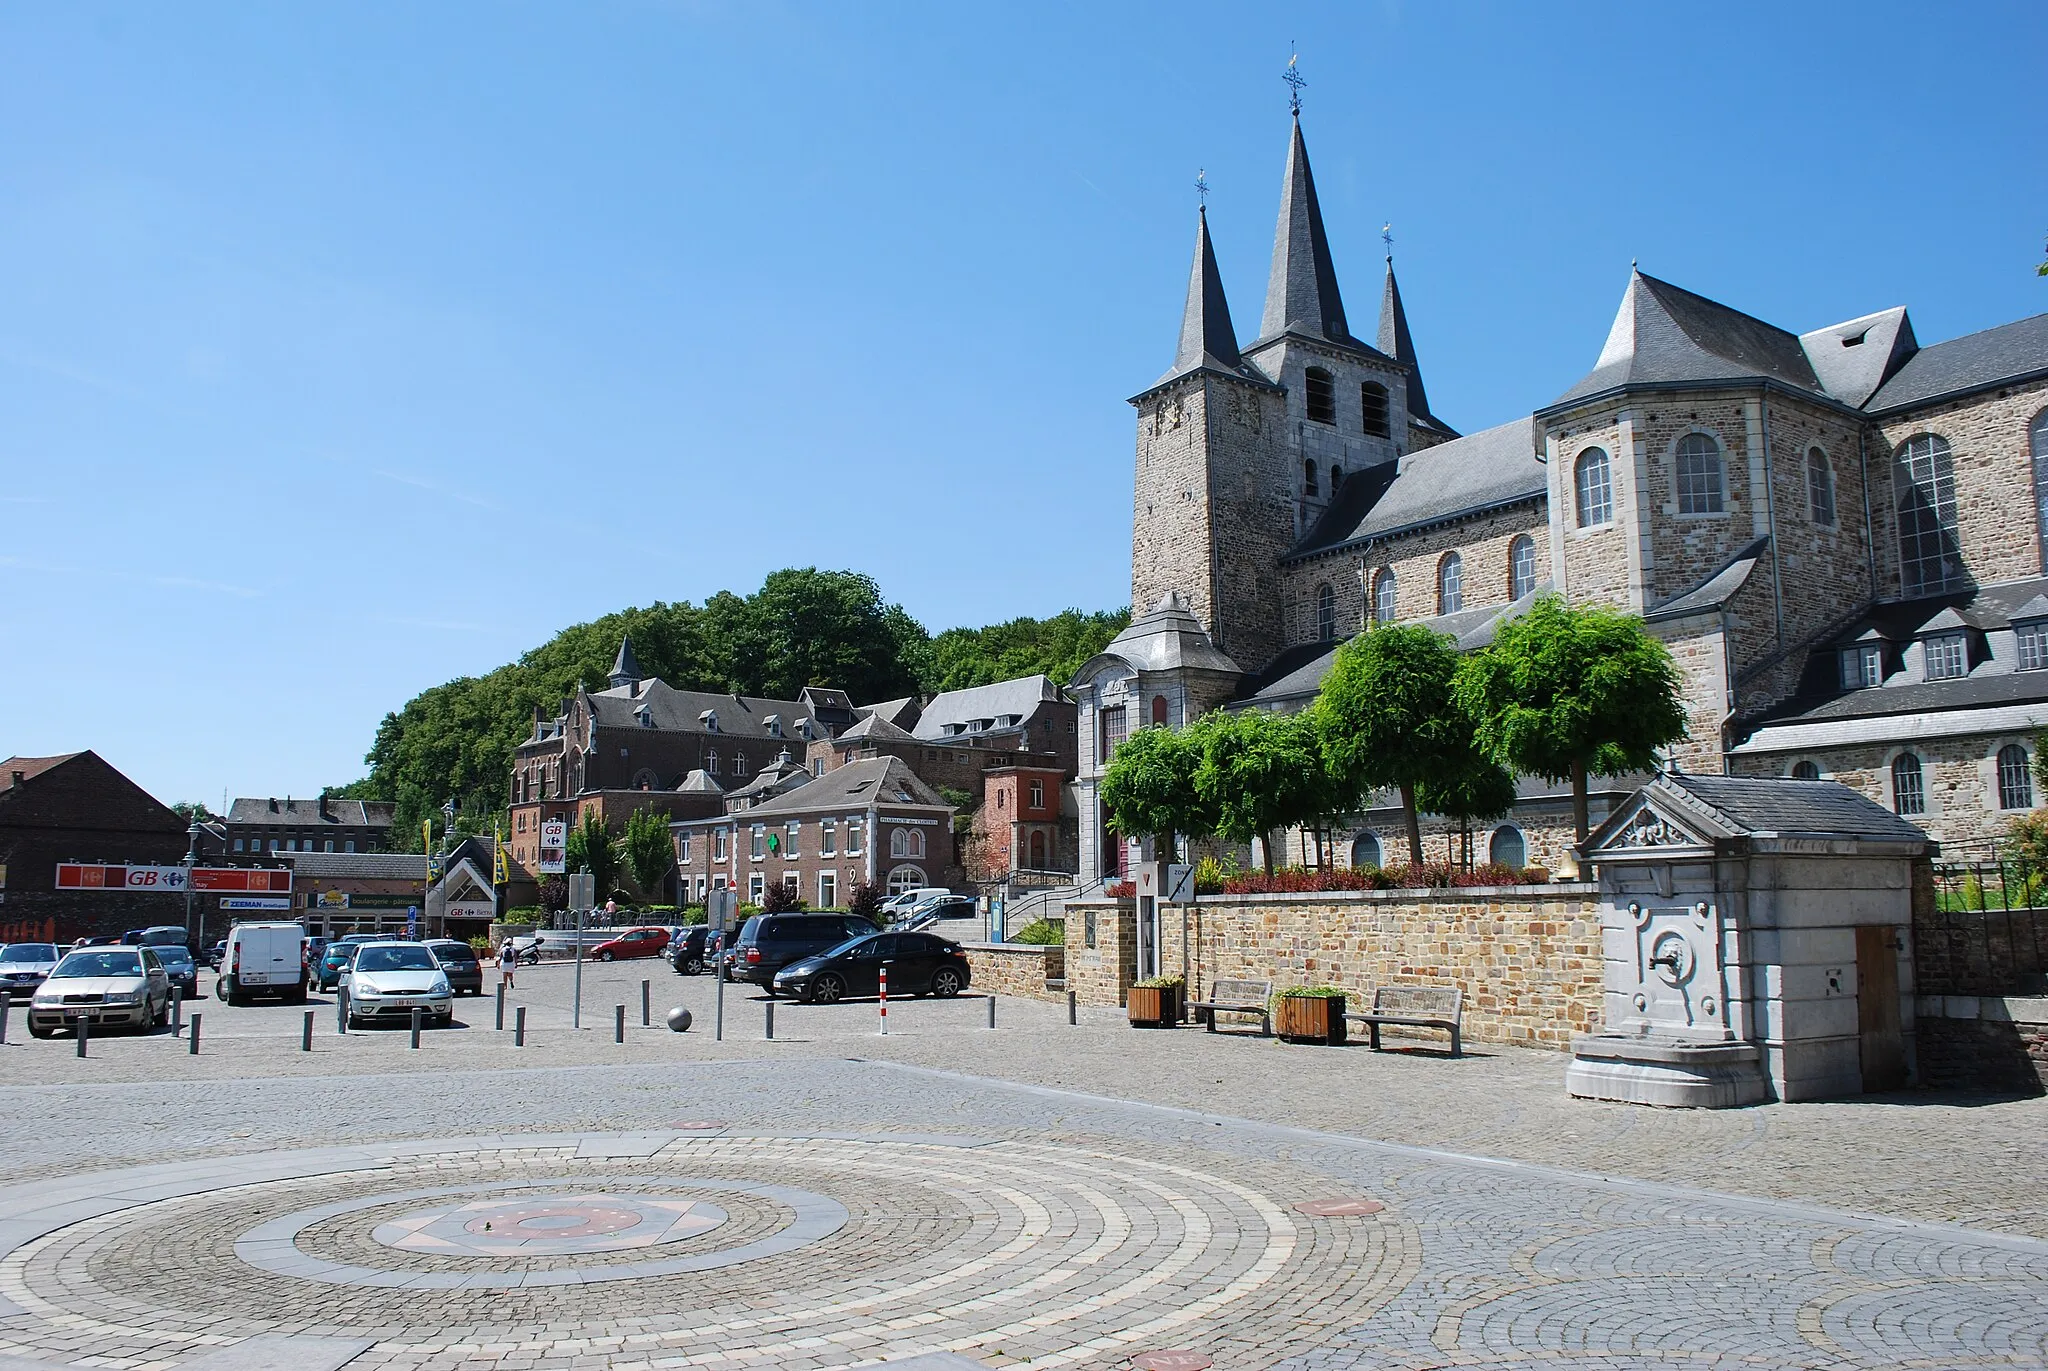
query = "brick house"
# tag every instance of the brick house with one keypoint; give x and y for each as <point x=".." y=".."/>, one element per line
<point x="1839" y="534"/>
<point x="322" y="825"/>
<point x="1022" y="824"/>
<point x="868" y="820"/>
<point x="75" y="807"/>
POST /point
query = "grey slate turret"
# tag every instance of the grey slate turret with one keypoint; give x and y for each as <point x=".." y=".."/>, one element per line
<point x="1301" y="294"/>
<point x="626" y="667"/>
<point x="1399" y="344"/>
<point x="1207" y="340"/>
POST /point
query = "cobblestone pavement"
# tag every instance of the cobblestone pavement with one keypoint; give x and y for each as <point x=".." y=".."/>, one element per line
<point x="1043" y="1193"/>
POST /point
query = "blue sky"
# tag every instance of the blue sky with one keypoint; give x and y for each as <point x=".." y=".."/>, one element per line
<point x="348" y="348"/>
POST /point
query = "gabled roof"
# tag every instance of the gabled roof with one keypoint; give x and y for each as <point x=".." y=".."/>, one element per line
<point x="1973" y="362"/>
<point x="877" y="728"/>
<point x="981" y="709"/>
<point x="771" y="779"/>
<point x="903" y="713"/>
<point x="1397" y="343"/>
<point x="1301" y="292"/>
<point x="626" y="666"/>
<point x="1853" y="359"/>
<point x="873" y="780"/>
<point x="681" y="710"/>
<point x="1207" y="341"/>
<point x="275" y="813"/>
<point x="1465" y="476"/>
<point x="31" y="767"/>
<point x="1700" y="810"/>
<point x="359" y="866"/>
<point x="1665" y="335"/>
<point x="1166" y="637"/>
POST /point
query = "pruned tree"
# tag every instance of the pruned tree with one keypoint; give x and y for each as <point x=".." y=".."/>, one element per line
<point x="1261" y="772"/>
<point x="1149" y="788"/>
<point x="592" y="848"/>
<point x="1388" y="720"/>
<point x="1472" y="789"/>
<point x="1566" y="692"/>
<point x="649" y="850"/>
<point x="865" y="899"/>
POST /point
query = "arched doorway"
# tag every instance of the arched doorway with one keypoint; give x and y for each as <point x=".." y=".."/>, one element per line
<point x="1038" y="851"/>
<point x="905" y="878"/>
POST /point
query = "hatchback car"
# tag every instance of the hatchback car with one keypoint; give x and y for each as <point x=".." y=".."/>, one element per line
<point x="769" y="942"/>
<point x="459" y="963"/>
<point x="919" y="964"/>
<point x="334" y="960"/>
<point x="24" y="966"/>
<point x="689" y="953"/>
<point x="634" y="942"/>
<point x="110" y="986"/>
<point x="388" y="980"/>
<point x="179" y="966"/>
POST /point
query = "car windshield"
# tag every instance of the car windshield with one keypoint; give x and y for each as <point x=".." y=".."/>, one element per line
<point x="453" y="952"/>
<point x="108" y="963"/>
<point x="395" y="959"/>
<point x="843" y="948"/>
<point x="29" y="952"/>
<point x="170" y="954"/>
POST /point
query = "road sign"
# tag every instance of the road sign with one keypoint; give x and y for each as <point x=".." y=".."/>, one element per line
<point x="79" y="876"/>
<point x="554" y="846"/>
<point x="412" y="921"/>
<point x="250" y="880"/>
<point x="719" y="908"/>
<point x="1180" y="884"/>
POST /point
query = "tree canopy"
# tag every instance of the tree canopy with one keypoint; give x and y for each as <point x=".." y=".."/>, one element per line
<point x="1149" y="787"/>
<point x="592" y="848"/>
<point x="1261" y="772"/>
<point x="1565" y="692"/>
<point x="1387" y="720"/>
<point x="1055" y="647"/>
<point x="648" y="850"/>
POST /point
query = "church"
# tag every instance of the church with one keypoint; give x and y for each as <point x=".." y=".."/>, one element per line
<point x="1839" y="533"/>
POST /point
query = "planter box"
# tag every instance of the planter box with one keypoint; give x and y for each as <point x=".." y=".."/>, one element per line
<point x="1302" y="1019"/>
<point x="1156" y="1007"/>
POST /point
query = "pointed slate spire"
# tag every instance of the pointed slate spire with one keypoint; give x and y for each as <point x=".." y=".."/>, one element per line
<point x="626" y="669"/>
<point x="1301" y="294"/>
<point x="1399" y="344"/>
<point x="1206" y="337"/>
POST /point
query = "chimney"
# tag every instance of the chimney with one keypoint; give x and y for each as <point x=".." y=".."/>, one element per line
<point x="20" y="776"/>
<point x="273" y="804"/>
<point x="633" y="690"/>
<point x="323" y="805"/>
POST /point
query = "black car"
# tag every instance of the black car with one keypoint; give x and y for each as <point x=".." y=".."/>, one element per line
<point x="327" y="970"/>
<point x="769" y="942"/>
<point x="690" y="954"/>
<point x="459" y="964"/>
<point x="919" y="964"/>
<point x="179" y="966"/>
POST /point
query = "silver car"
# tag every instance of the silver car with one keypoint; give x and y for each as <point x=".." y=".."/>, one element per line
<point x="391" y="979"/>
<point x="106" y="986"/>
<point x="24" y="966"/>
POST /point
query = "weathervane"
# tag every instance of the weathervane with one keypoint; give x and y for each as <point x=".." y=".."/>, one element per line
<point x="1295" y="81"/>
<point x="1202" y="188"/>
<point x="1387" y="237"/>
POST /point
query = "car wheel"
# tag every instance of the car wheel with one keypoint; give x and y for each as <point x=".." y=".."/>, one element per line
<point x="161" y="1015"/>
<point x="604" y="956"/>
<point x="38" y="1031"/>
<point x="946" y="982"/>
<point x="693" y="966"/>
<point x="827" y="989"/>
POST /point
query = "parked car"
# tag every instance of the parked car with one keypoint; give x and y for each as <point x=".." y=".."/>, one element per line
<point x="689" y="954"/>
<point x="24" y="966"/>
<point x="335" y="957"/>
<point x="105" y="986"/>
<point x="459" y="963"/>
<point x="903" y="905"/>
<point x="390" y="979"/>
<point x="179" y="966"/>
<point x="157" y="935"/>
<point x="950" y="907"/>
<point x="263" y="959"/>
<point x="634" y="942"/>
<point x="216" y="954"/>
<point x="769" y="942"/>
<point x="919" y="964"/>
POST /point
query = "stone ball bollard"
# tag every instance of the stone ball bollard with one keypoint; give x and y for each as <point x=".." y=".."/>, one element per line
<point x="679" y="1020"/>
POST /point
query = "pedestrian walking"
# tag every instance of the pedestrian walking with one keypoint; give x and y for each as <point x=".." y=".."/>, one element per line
<point x="508" y="962"/>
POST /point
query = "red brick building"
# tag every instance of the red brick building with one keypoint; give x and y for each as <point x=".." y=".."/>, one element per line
<point x="1021" y="826"/>
<point x="77" y="808"/>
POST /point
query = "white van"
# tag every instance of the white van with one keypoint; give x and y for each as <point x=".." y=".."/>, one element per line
<point x="910" y="901"/>
<point x="263" y="959"/>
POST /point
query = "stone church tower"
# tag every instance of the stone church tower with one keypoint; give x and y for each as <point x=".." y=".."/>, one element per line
<point x="1240" y="450"/>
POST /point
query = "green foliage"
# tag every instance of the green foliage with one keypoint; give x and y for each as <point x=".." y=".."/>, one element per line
<point x="1262" y="771"/>
<point x="648" y="849"/>
<point x="811" y="627"/>
<point x="865" y="899"/>
<point x="188" y="810"/>
<point x="1161" y="983"/>
<point x="1566" y="692"/>
<point x="522" y="914"/>
<point x="1210" y="875"/>
<point x="1149" y="787"/>
<point x="592" y="848"/>
<point x="1311" y="992"/>
<point x="1043" y="933"/>
<point x="554" y="894"/>
<point x="1055" y="647"/>
<point x="2026" y="837"/>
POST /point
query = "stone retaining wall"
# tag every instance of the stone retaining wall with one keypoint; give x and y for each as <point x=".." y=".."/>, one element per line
<point x="1971" y="952"/>
<point x="1102" y="954"/>
<point x="1017" y="969"/>
<point x="1527" y="957"/>
<point x="1984" y="1042"/>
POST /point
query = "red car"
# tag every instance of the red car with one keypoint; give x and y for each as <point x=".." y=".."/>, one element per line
<point x="634" y="942"/>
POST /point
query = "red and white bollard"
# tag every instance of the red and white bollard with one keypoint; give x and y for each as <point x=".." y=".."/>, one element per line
<point x="885" y="999"/>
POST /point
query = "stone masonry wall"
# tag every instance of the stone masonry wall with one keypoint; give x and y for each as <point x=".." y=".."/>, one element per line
<point x="1170" y="527"/>
<point x="1016" y="969"/>
<point x="1995" y="496"/>
<point x="1527" y="957"/>
<point x="1698" y="649"/>
<point x="1591" y="563"/>
<point x="1958" y="775"/>
<point x="1102" y="974"/>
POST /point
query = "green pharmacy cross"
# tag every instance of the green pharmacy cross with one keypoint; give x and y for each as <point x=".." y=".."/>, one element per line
<point x="775" y="842"/>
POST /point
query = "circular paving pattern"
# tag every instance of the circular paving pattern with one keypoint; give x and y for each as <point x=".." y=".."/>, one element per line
<point x="757" y="1249"/>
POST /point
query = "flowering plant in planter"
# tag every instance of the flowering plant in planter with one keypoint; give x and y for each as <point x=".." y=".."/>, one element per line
<point x="1121" y="890"/>
<point x="1155" y="1003"/>
<point x="1309" y="1013"/>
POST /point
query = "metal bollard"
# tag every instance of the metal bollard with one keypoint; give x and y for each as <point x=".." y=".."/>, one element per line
<point x="718" y="1002"/>
<point x="619" y="1024"/>
<point x="885" y="999"/>
<point x="84" y="1032"/>
<point x="1073" y="1010"/>
<point x="6" y="1002"/>
<point x="192" y="1040"/>
<point x="341" y="1009"/>
<point x="519" y="1027"/>
<point x="306" y="1034"/>
<point x="770" y="1022"/>
<point x="991" y="1011"/>
<point x="177" y="1015"/>
<point x="646" y="1006"/>
<point x="501" y="1006"/>
<point x="416" y="1017"/>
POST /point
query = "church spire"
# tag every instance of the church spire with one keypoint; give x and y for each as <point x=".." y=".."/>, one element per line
<point x="626" y="668"/>
<point x="1206" y="337"/>
<point x="1301" y="294"/>
<point x="1399" y="344"/>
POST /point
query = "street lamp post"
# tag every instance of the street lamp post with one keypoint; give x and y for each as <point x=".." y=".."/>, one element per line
<point x="191" y="860"/>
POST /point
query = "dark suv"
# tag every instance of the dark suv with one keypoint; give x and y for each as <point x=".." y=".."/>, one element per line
<point x="769" y="942"/>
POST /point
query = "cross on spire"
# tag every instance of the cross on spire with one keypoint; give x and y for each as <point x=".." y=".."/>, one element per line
<point x="1202" y="189"/>
<point x="1295" y="81"/>
<point x="1387" y="237"/>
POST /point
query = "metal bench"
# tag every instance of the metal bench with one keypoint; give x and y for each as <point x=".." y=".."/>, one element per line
<point x="1240" y="997"/>
<point x="1416" y="1006"/>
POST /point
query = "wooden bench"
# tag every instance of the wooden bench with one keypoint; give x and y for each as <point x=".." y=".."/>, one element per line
<point x="1416" y="1006"/>
<point x="1240" y="997"/>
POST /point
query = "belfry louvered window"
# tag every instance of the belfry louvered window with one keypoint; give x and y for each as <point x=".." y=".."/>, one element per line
<point x="1373" y="398"/>
<point x="1321" y="392"/>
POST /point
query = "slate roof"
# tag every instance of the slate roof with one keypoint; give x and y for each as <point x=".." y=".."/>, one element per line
<point x="1781" y="806"/>
<point x="1399" y="344"/>
<point x="1717" y="589"/>
<point x="1166" y="637"/>
<point x="306" y="813"/>
<point x="1482" y="471"/>
<point x="1301" y="292"/>
<point x="1666" y="335"/>
<point x="699" y="782"/>
<point x="978" y="709"/>
<point x="895" y="711"/>
<point x="1854" y="358"/>
<point x="1972" y="362"/>
<point x="773" y="777"/>
<point x="358" y="866"/>
<point x="1298" y="672"/>
<point x="1207" y="340"/>
<point x="1926" y="697"/>
<point x="875" y="780"/>
<point x="877" y="728"/>
<point x="674" y="709"/>
<point x="626" y="666"/>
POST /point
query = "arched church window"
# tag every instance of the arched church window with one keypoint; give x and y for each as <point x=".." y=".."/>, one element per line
<point x="1508" y="847"/>
<point x="1326" y="612"/>
<point x="2015" y="778"/>
<point x="1383" y="596"/>
<point x="1365" y="849"/>
<point x="1909" y="794"/>
<point x="1521" y="567"/>
<point x="1595" y="490"/>
<point x="1373" y="399"/>
<point x="2037" y="436"/>
<point x="1159" y="711"/>
<point x="1929" y="557"/>
<point x="1700" y="484"/>
<point x="1336" y="477"/>
<point x="1820" y="487"/>
<point x="1806" y="771"/>
<point x="1308" y="479"/>
<point x="1450" y="584"/>
<point x="1322" y="396"/>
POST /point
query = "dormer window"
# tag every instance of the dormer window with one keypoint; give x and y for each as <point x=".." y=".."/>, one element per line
<point x="1862" y="667"/>
<point x="774" y="723"/>
<point x="1322" y="396"/>
<point x="709" y="718"/>
<point x="645" y="716"/>
<point x="1948" y="657"/>
<point x="2033" y="640"/>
